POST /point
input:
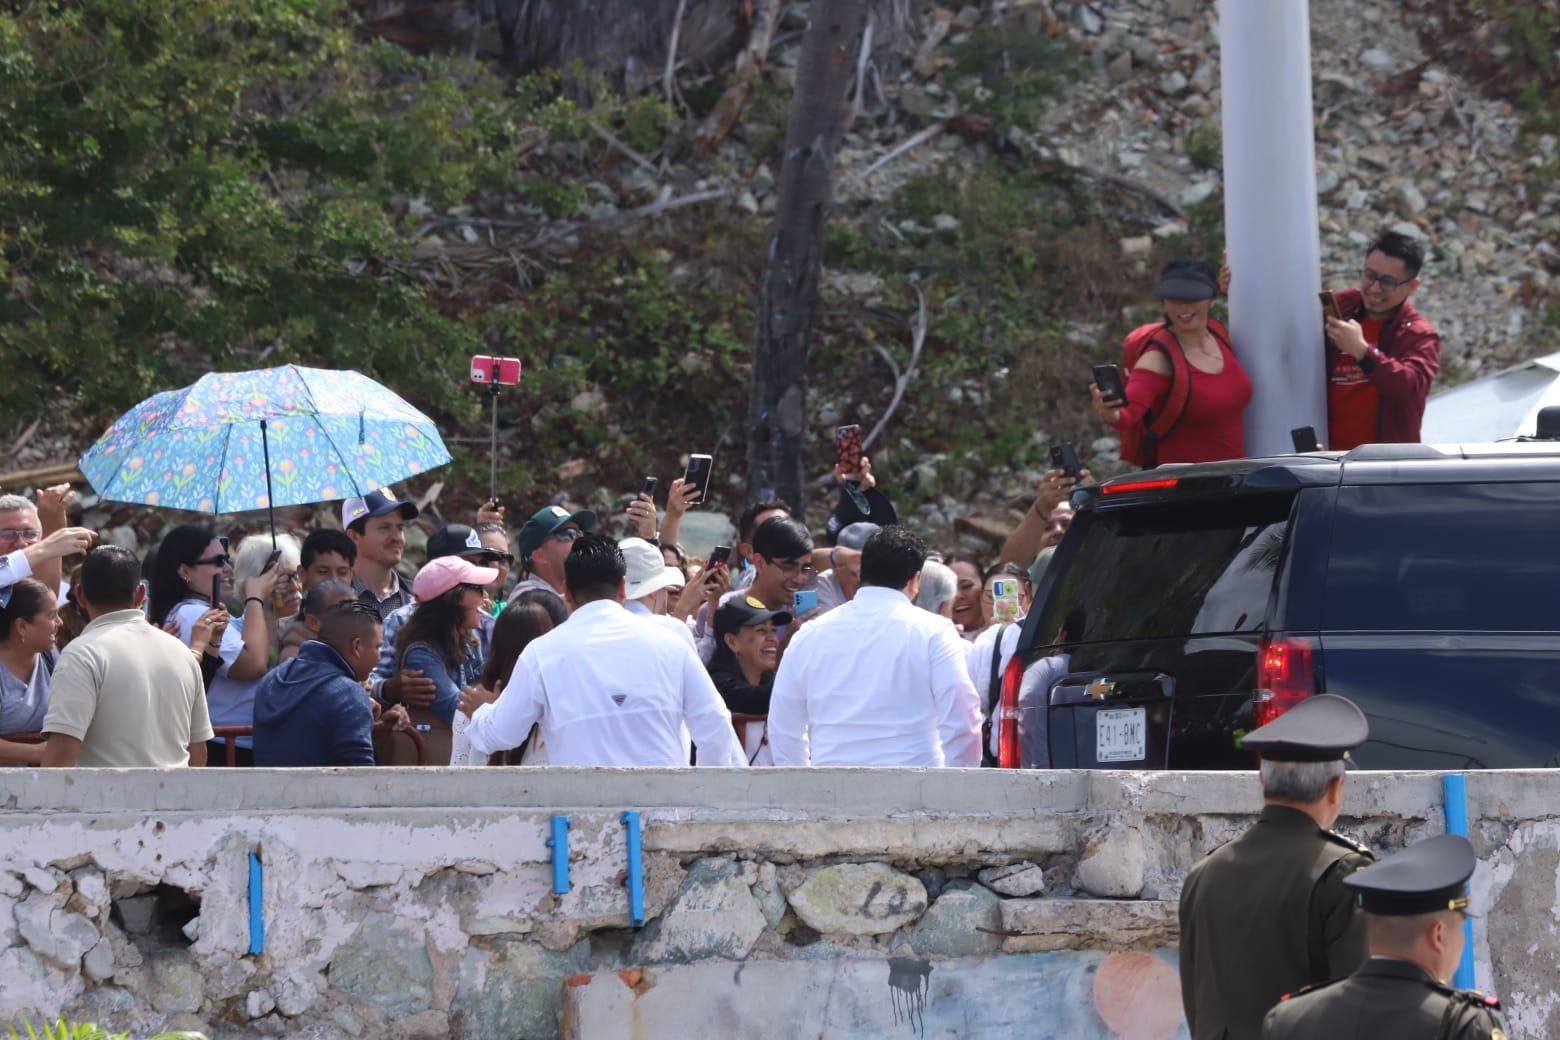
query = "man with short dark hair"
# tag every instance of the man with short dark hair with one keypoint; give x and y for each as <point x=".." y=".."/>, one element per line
<point x="306" y="625"/>
<point x="124" y="692"/>
<point x="877" y="681"/>
<point x="751" y="519"/>
<point x="313" y="710"/>
<point x="376" y="523"/>
<point x="1383" y="354"/>
<point x="1270" y="912"/>
<point x="326" y="555"/>
<point x="782" y="555"/>
<point x="609" y="688"/>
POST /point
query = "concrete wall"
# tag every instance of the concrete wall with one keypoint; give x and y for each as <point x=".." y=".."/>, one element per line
<point x="839" y="903"/>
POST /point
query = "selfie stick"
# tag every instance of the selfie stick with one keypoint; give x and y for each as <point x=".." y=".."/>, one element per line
<point x="493" y="434"/>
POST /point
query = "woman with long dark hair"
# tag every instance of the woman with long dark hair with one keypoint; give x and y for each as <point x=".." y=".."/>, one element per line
<point x="28" y="621"/>
<point x="533" y="613"/>
<point x="190" y="561"/>
<point x="439" y="639"/>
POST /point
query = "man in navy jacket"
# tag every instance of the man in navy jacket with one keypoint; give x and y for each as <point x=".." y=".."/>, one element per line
<point x="313" y="710"/>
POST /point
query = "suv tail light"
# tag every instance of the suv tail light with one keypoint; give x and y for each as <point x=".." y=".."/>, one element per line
<point x="1286" y="675"/>
<point x="1007" y="714"/>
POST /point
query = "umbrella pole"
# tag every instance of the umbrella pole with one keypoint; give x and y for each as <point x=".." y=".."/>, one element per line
<point x="270" y="508"/>
<point x="493" y="437"/>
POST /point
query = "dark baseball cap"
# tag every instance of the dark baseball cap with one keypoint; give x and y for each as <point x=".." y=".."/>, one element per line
<point x="375" y="503"/>
<point x="545" y="521"/>
<point x="743" y="610"/>
<point x="1186" y="280"/>
<point x="457" y="540"/>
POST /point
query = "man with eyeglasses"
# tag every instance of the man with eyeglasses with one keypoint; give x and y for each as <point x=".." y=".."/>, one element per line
<point x="31" y="548"/>
<point x="1383" y="354"/>
<point x="544" y="544"/>
<point x="783" y="565"/>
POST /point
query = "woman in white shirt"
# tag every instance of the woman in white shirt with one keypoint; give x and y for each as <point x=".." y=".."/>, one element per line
<point x="192" y="563"/>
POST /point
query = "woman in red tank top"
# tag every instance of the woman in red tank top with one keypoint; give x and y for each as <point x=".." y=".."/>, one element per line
<point x="1211" y="427"/>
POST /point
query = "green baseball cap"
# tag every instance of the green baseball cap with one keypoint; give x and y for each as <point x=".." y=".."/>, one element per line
<point x="545" y="521"/>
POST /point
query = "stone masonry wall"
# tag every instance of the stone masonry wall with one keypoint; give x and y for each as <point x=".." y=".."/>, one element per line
<point x="779" y="903"/>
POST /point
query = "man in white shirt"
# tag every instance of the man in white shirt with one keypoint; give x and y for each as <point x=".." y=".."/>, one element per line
<point x="877" y="682"/>
<point x="607" y="687"/>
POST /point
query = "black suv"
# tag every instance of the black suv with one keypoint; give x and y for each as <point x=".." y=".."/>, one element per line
<point x="1190" y="604"/>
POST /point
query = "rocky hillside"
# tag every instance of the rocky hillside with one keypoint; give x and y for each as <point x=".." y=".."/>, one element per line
<point x="1014" y="171"/>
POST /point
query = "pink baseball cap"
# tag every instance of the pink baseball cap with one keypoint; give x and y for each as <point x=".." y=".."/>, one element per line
<point x="441" y="575"/>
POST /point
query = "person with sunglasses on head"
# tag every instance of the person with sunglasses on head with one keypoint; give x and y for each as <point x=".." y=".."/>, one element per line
<point x="495" y="539"/>
<point x="544" y="544"/>
<point x="1383" y="354"/>
<point x="188" y="560"/>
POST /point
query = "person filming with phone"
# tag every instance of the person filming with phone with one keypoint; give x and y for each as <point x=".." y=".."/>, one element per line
<point x="1186" y="391"/>
<point x="1382" y="354"/>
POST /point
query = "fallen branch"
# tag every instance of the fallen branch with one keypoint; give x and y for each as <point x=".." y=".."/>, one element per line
<point x="613" y="140"/>
<point x="669" y="77"/>
<point x="1125" y="185"/>
<point x="42" y="476"/>
<point x="915" y="140"/>
<point x="918" y="331"/>
<point x="861" y="76"/>
<point x="21" y="442"/>
<point x="749" y="69"/>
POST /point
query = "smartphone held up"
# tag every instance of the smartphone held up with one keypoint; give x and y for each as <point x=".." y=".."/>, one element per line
<point x="1065" y="458"/>
<point x="495" y="371"/>
<point x="700" y="468"/>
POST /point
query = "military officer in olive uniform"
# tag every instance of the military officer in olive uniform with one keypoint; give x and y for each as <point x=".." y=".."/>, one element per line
<point x="1268" y="913"/>
<point x="1415" y="903"/>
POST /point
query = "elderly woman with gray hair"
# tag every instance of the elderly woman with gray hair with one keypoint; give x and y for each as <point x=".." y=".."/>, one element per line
<point x="939" y="586"/>
<point x="287" y="595"/>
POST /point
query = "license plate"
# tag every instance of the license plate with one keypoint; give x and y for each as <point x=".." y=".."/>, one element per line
<point x="1120" y="735"/>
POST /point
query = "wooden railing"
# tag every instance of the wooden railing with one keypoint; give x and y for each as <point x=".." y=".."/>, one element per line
<point x="229" y="734"/>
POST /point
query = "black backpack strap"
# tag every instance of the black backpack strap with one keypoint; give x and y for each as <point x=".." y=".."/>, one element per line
<point x="993" y="696"/>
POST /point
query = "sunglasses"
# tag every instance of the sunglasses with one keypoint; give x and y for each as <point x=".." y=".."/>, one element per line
<point x="219" y="560"/>
<point x="567" y="534"/>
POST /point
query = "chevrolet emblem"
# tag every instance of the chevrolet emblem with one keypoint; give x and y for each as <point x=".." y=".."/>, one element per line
<point x="1099" y="689"/>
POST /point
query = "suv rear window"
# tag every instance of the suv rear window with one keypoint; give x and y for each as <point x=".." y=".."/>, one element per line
<point x="1445" y="557"/>
<point x="1171" y="570"/>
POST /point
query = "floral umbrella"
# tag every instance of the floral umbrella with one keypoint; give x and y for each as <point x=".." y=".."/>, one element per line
<point x="235" y="441"/>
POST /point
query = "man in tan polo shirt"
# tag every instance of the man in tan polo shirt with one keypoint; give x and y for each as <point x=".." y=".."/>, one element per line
<point x="124" y="693"/>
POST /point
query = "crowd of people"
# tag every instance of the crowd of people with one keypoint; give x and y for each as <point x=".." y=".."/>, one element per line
<point x="563" y="645"/>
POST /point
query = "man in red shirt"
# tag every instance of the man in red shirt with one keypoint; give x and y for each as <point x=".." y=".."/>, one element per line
<point x="1383" y="355"/>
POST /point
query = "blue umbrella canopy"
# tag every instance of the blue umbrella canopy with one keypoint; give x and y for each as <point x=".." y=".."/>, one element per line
<point x="235" y="441"/>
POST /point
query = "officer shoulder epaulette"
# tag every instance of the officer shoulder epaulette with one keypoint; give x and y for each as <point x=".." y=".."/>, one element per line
<point x="1349" y="843"/>
<point x="1465" y="1008"/>
<point x="1312" y="987"/>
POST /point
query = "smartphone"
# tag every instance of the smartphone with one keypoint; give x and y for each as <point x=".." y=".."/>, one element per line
<point x="1330" y="305"/>
<point x="216" y="590"/>
<point x="270" y="561"/>
<point x="497" y="371"/>
<point x="1304" y="438"/>
<point x="1065" y="458"/>
<point x="847" y="447"/>
<point x="649" y="487"/>
<point x="1109" y="379"/>
<point x="1004" y="599"/>
<point x="698" y="474"/>
<point x="803" y="601"/>
<point x="718" y="555"/>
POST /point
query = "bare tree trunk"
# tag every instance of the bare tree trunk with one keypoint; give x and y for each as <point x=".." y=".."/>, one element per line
<point x="777" y="405"/>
